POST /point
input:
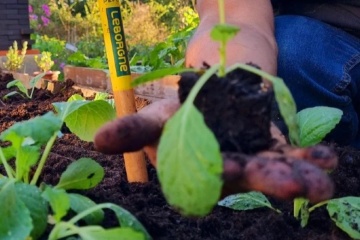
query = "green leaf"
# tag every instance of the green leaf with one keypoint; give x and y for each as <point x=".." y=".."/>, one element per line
<point x="58" y="200"/>
<point x="84" y="118"/>
<point x="190" y="149"/>
<point x="96" y="233"/>
<point x="15" y="220"/>
<point x="11" y="94"/>
<point x="35" y="79"/>
<point x="315" y="123"/>
<point x="127" y="220"/>
<point x="84" y="173"/>
<point x="27" y="157"/>
<point x="287" y="109"/>
<point x="246" y="201"/>
<point x="305" y="214"/>
<point x="39" y="129"/>
<point x="299" y="204"/>
<point x="75" y="97"/>
<point x="79" y="203"/>
<point x="224" y="32"/>
<point x="19" y="85"/>
<point x="301" y="210"/>
<point x="64" y="109"/>
<point x="160" y="73"/>
<point x="31" y="197"/>
<point x="101" y="96"/>
<point x="345" y="212"/>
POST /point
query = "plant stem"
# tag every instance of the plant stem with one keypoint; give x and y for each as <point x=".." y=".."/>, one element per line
<point x="221" y="11"/>
<point x="318" y="205"/>
<point x="202" y="80"/>
<point x="222" y="49"/>
<point x="88" y="211"/>
<point x="254" y="70"/>
<point x="62" y="229"/>
<point x="8" y="169"/>
<point x="298" y="204"/>
<point x="45" y="155"/>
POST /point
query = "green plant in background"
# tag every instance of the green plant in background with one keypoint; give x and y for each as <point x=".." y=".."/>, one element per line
<point x="22" y="90"/>
<point x="81" y="60"/>
<point x="15" y="60"/>
<point x="44" y="62"/>
<point x="165" y="54"/>
<point x="57" y="49"/>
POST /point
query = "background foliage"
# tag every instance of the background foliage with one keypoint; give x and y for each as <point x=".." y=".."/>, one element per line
<point x="149" y="25"/>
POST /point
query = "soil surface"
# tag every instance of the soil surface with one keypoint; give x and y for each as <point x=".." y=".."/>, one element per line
<point x="147" y="203"/>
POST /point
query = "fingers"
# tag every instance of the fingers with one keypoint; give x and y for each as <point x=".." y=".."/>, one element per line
<point x="322" y="156"/>
<point x="276" y="177"/>
<point x="133" y="132"/>
<point x="277" y="134"/>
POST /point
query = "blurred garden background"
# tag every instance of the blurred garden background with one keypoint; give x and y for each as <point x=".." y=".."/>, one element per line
<point x="157" y="31"/>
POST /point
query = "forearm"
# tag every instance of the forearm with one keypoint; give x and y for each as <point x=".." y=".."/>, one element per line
<point x="254" y="43"/>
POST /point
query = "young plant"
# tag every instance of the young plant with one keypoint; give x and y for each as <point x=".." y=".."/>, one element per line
<point x="29" y="203"/>
<point x="22" y="90"/>
<point x="44" y="62"/>
<point x="247" y="201"/>
<point x="188" y="131"/>
<point x="14" y="59"/>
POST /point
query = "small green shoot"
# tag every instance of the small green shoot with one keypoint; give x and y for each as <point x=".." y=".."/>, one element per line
<point x="21" y="87"/>
<point x="247" y="201"/>
<point x="223" y="33"/>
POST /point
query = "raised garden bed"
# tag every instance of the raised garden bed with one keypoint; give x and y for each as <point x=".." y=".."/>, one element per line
<point x="90" y="80"/>
<point x="147" y="203"/>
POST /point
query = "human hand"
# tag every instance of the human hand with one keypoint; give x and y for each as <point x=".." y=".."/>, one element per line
<point x="283" y="171"/>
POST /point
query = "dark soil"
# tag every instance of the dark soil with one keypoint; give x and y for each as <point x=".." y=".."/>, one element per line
<point x="147" y="203"/>
<point x="237" y="108"/>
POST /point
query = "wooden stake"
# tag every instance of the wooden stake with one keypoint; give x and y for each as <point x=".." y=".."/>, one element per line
<point x="120" y="76"/>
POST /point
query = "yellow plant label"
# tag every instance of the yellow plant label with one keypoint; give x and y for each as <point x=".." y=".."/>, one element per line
<point x="115" y="45"/>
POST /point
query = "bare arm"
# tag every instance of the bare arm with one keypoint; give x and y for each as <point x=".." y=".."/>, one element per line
<point x="254" y="43"/>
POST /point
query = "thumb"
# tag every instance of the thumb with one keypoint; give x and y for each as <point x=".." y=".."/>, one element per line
<point x="133" y="132"/>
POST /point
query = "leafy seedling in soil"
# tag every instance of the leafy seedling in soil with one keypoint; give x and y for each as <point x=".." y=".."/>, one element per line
<point x="194" y="139"/>
<point x="22" y="90"/>
<point x="26" y="146"/>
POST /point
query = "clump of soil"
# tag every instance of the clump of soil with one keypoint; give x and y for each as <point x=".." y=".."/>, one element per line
<point x="236" y="108"/>
<point x="148" y="204"/>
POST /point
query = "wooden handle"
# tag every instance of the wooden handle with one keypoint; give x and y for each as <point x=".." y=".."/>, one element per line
<point x="135" y="164"/>
<point x="120" y="76"/>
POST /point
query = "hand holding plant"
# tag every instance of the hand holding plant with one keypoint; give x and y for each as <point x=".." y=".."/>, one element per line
<point x="217" y="135"/>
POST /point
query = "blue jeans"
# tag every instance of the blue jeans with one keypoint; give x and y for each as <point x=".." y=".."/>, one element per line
<point x="321" y="66"/>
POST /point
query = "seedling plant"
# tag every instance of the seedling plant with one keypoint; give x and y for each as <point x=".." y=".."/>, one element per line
<point x="22" y="90"/>
<point x="188" y="132"/>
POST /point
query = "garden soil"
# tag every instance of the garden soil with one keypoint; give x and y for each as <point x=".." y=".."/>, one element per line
<point x="147" y="202"/>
